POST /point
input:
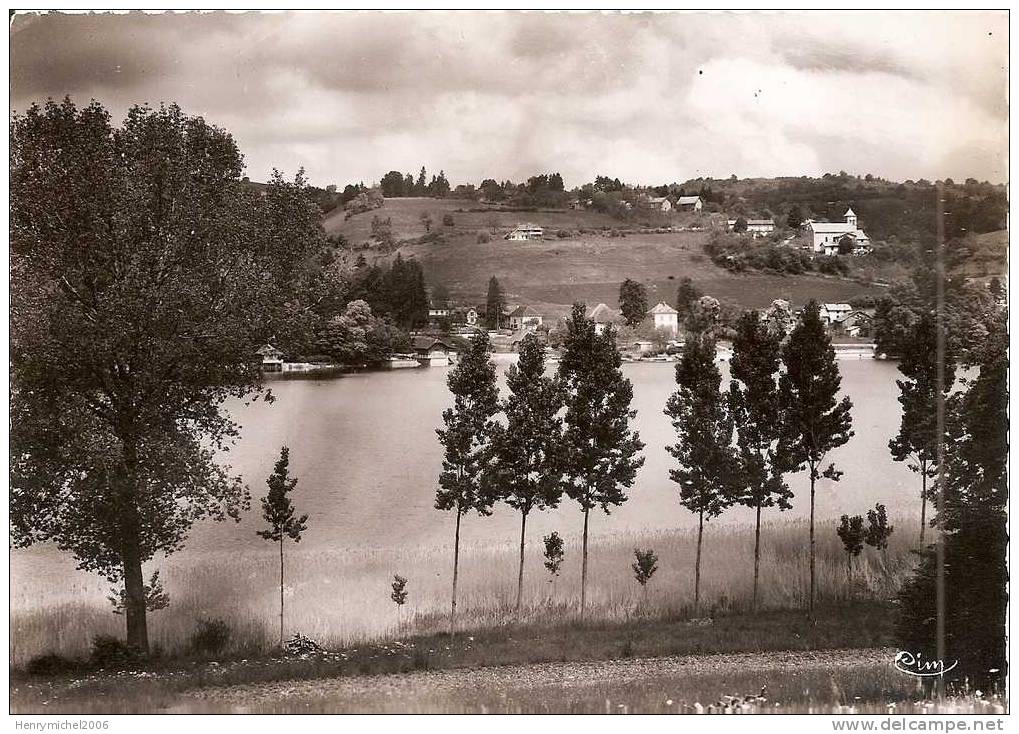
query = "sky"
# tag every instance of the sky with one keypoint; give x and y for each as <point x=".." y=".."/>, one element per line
<point x="649" y="98"/>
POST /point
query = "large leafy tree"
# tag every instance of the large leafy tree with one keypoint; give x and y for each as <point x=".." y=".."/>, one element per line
<point x="929" y="375"/>
<point x="970" y="506"/>
<point x="526" y="462"/>
<point x="632" y="301"/>
<point x="708" y="467"/>
<point x="466" y="438"/>
<point x="814" y="420"/>
<point x="144" y="276"/>
<point x="754" y="397"/>
<point x="601" y="451"/>
<point x="279" y="515"/>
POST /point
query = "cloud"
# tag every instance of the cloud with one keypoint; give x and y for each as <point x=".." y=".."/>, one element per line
<point x="648" y="97"/>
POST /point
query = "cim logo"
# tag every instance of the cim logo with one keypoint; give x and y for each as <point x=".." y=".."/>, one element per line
<point x="913" y="664"/>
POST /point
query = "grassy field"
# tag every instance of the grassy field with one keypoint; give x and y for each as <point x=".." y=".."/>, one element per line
<point x="589" y="265"/>
<point x="341" y="597"/>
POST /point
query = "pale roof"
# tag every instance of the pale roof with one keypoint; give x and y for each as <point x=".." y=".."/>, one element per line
<point x="850" y="212"/>
<point x="662" y="308"/>
<point x="528" y="225"/>
<point x="833" y="227"/>
<point x="524" y="311"/>
<point x="269" y="350"/>
<point x="688" y="200"/>
<point x="602" y="314"/>
<point x="837" y="307"/>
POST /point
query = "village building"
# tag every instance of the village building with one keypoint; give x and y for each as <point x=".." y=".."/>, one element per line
<point x="432" y="351"/>
<point x="438" y="312"/>
<point x="471" y="316"/>
<point x="642" y="347"/>
<point x="827" y="237"/>
<point x="603" y="316"/>
<point x="272" y="358"/>
<point x="857" y="323"/>
<point x="526" y="232"/>
<point x="524" y="317"/>
<point x="756" y="227"/>
<point x="658" y="203"/>
<point x="665" y="318"/>
<point x="834" y="313"/>
<point x="689" y="204"/>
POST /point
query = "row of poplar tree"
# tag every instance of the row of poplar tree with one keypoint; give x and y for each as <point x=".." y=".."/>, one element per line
<point x="569" y="434"/>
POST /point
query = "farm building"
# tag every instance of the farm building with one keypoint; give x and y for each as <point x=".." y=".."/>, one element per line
<point x="526" y="232"/>
<point x="658" y="203"/>
<point x="272" y="358"/>
<point x="432" y="352"/>
<point x="524" y="317"/>
<point x="689" y="204"/>
<point x="756" y="227"/>
<point x="834" y="313"/>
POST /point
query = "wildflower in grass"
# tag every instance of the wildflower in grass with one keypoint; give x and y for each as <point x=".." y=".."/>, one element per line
<point x="278" y="512"/>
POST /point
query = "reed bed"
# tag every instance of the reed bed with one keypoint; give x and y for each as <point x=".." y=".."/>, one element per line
<point x="340" y="596"/>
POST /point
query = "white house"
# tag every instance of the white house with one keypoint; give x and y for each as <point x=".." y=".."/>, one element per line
<point x="756" y="227"/>
<point x="602" y="316"/>
<point x="272" y="358"/>
<point x="835" y="313"/>
<point x="526" y="232"/>
<point x="665" y="317"/>
<point x="659" y="203"/>
<point x="524" y="317"/>
<point x="827" y="235"/>
<point x="689" y="203"/>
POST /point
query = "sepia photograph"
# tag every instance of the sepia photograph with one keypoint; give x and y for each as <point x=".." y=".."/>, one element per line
<point x="508" y="362"/>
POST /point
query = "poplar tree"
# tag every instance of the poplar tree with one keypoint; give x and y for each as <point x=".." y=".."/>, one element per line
<point x="495" y="304"/>
<point x="814" y="420"/>
<point x="526" y="467"/>
<point x="754" y="398"/>
<point x="278" y="513"/>
<point x="917" y="440"/>
<point x="708" y="467"/>
<point x="466" y="437"/>
<point x="601" y="452"/>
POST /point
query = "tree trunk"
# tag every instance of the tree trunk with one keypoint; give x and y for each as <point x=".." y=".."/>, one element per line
<point x="923" y="502"/>
<point x="456" y="568"/>
<point x="757" y="555"/>
<point x="281" y="592"/>
<point x="520" y="574"/>
<point x="134" y="592"/>
<point x="697" y="567"/>
<point x="131" y="554"/>
<point x="813" y="480"/>
<point x="583" y="566"/>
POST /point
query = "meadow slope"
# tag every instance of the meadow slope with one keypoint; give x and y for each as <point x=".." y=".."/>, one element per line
<point x="588" y="265"/>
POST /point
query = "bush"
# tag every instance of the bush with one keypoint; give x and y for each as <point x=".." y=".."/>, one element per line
<point x="211" y="637"/>
<point x="484" y="237"/>
<point x="51" y="664"/>
<point x="112" y="652"/>
<point x="447" y="220"/>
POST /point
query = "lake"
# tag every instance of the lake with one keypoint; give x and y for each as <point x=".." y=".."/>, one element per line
<point x="365" y="451"/>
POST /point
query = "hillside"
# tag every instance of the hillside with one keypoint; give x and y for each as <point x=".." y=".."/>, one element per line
<point x="588" y="266"/>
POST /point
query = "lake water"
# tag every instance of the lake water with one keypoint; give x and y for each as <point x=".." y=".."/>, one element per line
<point x="364" y="449"/>
<point x="367" y="457"/>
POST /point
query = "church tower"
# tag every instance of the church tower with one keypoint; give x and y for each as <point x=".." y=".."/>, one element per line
<point x="851" y="218"/>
